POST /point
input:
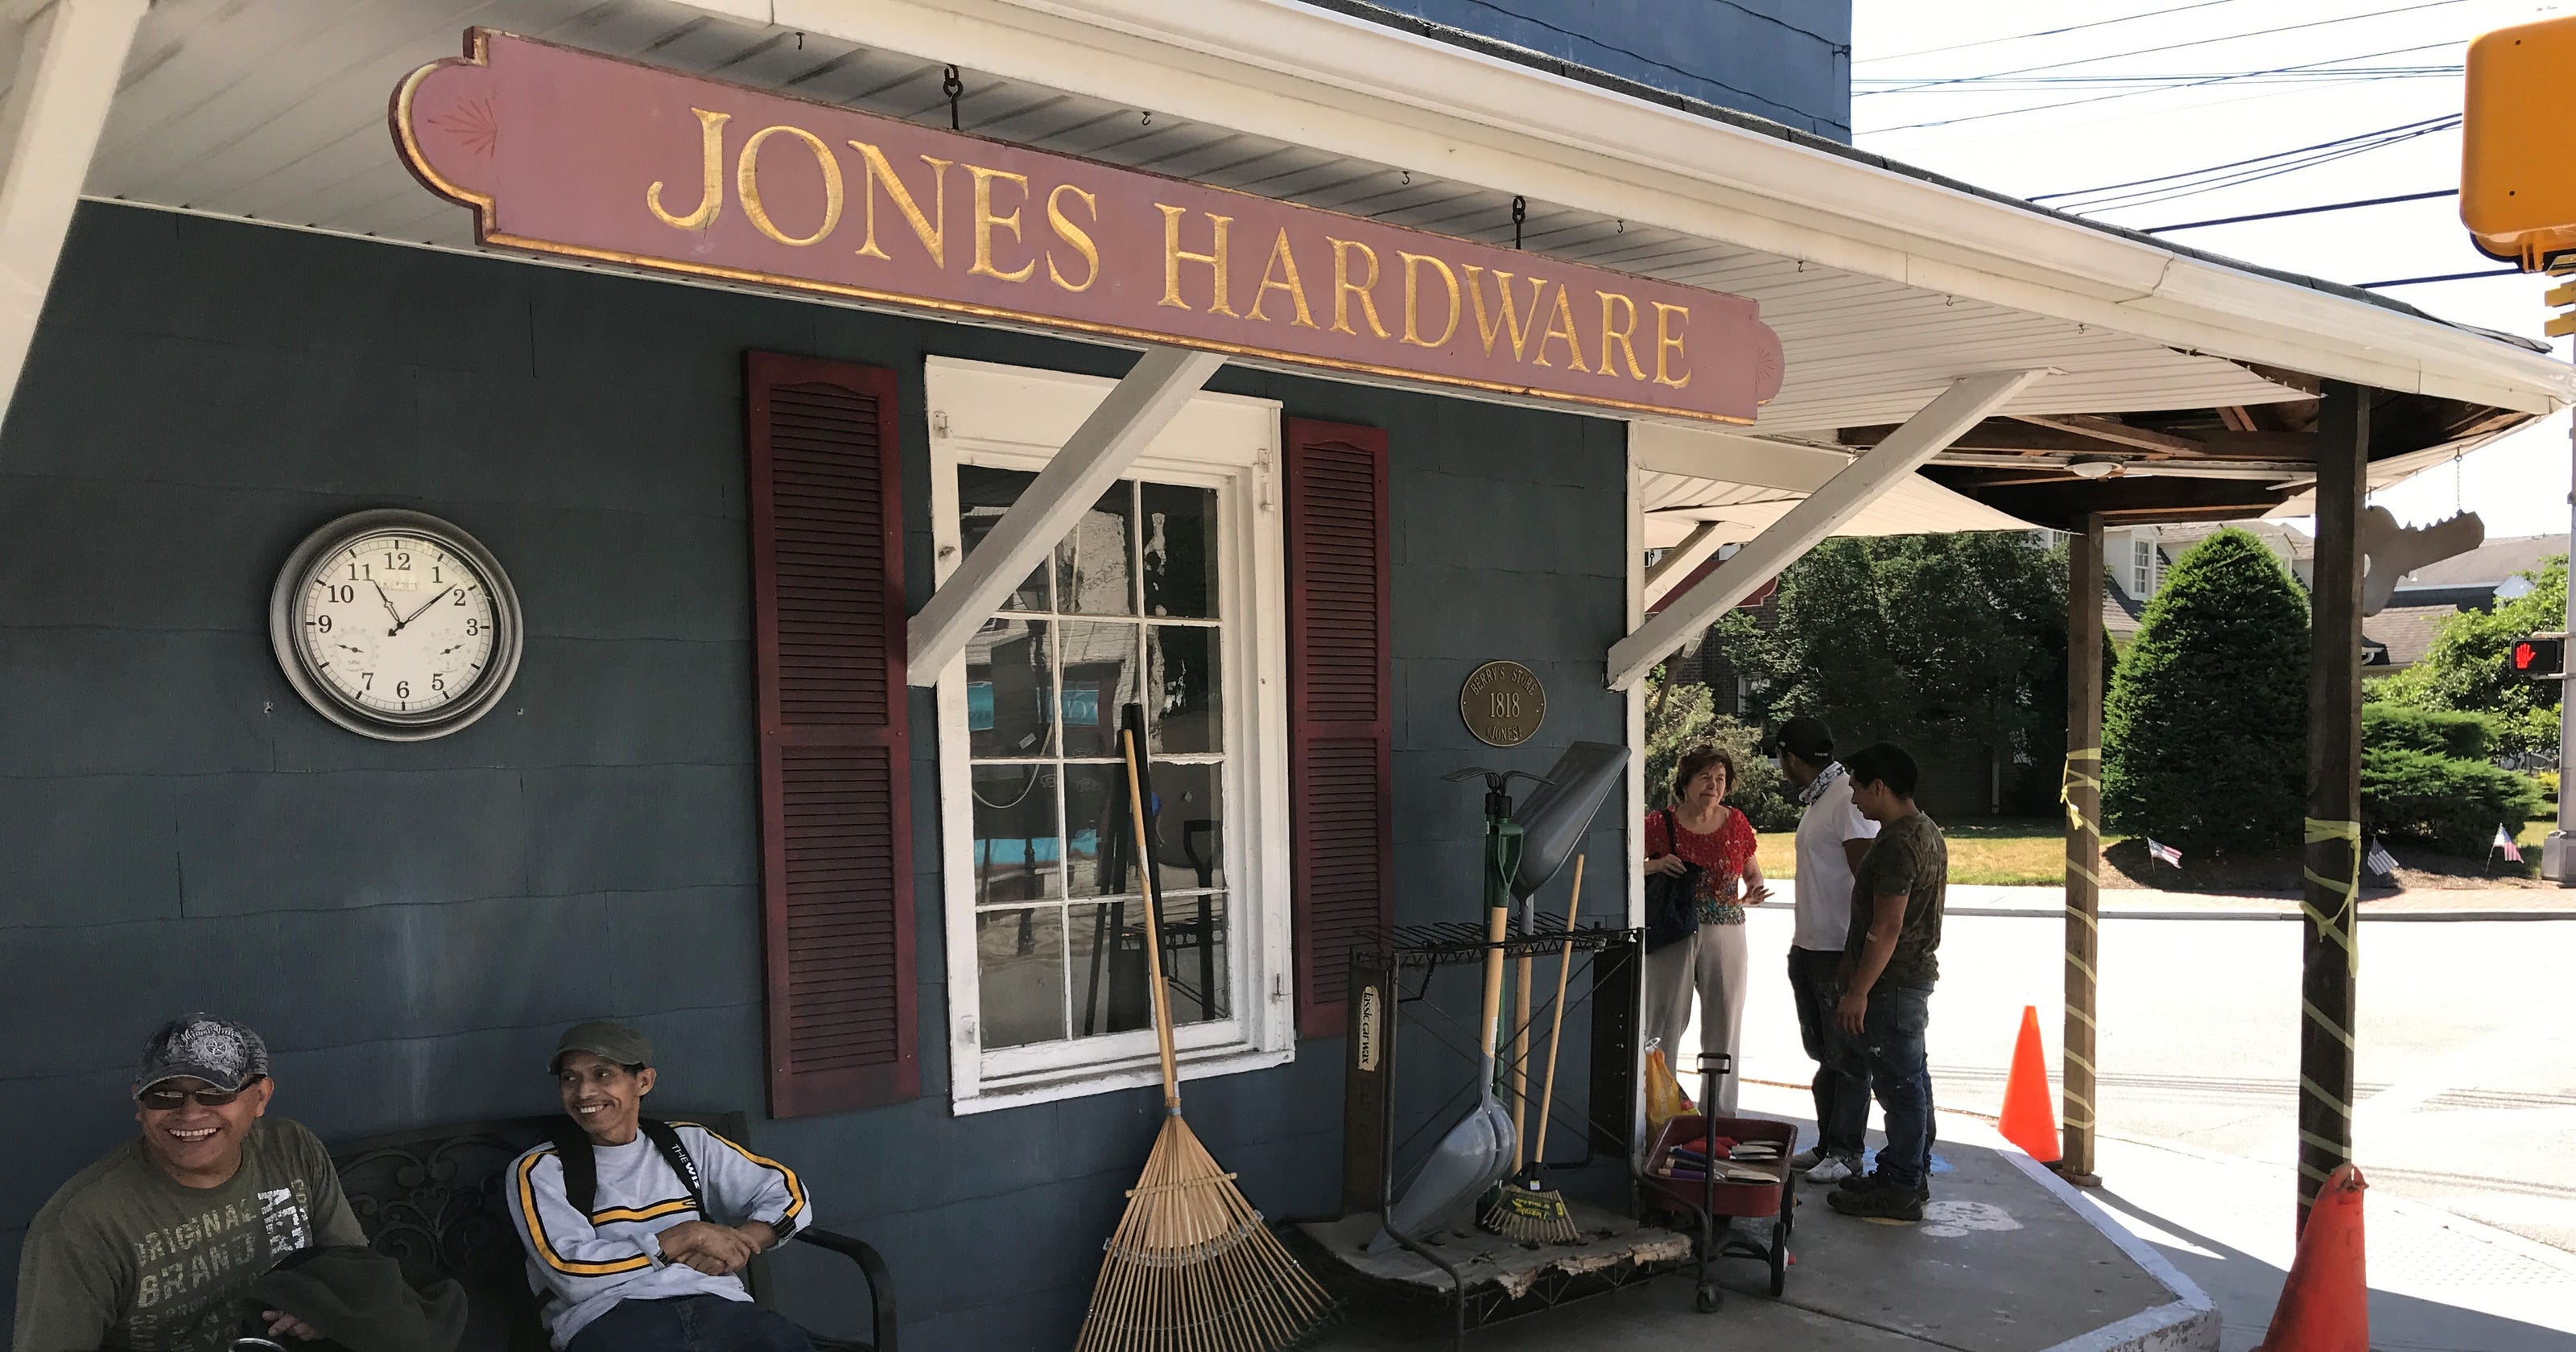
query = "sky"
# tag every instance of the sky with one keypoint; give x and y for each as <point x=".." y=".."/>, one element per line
<point x="2408" y="58"/>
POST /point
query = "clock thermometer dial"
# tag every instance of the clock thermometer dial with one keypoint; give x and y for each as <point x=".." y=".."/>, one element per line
<point x="396" y="625"/>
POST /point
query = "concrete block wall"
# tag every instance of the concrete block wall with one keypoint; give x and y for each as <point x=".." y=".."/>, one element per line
<point x="410" y="925"/>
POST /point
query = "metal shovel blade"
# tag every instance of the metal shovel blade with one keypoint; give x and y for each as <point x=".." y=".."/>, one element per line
<point x="1475" y="1155"/>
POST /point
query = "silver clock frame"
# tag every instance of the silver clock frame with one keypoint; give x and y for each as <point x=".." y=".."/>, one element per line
<point x="456" y="714"/>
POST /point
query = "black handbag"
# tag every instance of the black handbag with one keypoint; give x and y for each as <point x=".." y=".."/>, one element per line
<point x="1672" y="901"/>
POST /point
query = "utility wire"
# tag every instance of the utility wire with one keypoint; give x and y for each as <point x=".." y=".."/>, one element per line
<point x="2133" y="93"/>
<point x="2445" y="277"/>
<point x="2301" y="211"/>
<point x="2152" y="197"/>
<point x="2301" y="76"/>
<point x="2178" y="46"/>
<point x="2447" y="118"/>
<point x="2048" y="32"/>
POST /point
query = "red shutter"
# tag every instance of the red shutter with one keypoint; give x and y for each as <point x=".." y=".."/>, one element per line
<point x="1341" y="766"/>
<point x="835" y="826"/>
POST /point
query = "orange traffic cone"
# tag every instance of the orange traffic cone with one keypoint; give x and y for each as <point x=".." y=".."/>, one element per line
<point x="2325" y="1303"/>
<point x="2028" y="1120"/>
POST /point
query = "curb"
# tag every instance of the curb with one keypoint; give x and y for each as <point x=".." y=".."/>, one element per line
<point x="2189" y="1324"/>
<point x="2373" y="917"/>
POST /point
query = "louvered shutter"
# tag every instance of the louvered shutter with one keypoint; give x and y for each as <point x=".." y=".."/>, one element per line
<point x="1341" y="768"/>
<point x="836" y="832"/>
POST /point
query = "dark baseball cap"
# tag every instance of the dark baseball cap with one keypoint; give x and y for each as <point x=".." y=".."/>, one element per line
<point x="1807" y="737"/>
<point x="224" y="1054"/>
<point x="606" y="1040"/>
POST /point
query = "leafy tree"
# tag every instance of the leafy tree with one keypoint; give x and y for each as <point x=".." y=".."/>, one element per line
<point x="2205" y="731"/>
<point x="1937" y="642"/>
<point x="2465" y="671"/>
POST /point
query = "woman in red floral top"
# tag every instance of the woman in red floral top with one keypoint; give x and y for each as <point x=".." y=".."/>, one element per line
<point x="1712" y="963"/>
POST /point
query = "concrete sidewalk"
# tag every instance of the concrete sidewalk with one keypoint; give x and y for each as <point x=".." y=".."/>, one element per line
<point x="2008" y="1259"/>
<point x="2141" y="903"/>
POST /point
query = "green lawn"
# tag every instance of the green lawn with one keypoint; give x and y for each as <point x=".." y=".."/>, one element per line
<point x="2017" y="851"/>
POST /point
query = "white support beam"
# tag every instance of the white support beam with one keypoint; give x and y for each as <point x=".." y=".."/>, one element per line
<point x="1944" y="420"/>
<point x="69" y="55"/>
<point x="1154" y="391"/>
<point x="1680" y="561"/>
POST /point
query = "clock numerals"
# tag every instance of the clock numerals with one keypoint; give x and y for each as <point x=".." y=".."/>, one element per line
<point x="396" y="625"/>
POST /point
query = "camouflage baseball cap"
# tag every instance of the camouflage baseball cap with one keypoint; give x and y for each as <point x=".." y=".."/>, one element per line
<point x="224" y="1054"/>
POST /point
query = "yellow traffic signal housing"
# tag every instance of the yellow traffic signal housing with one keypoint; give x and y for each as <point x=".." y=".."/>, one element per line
<point x="2517" y="165"/>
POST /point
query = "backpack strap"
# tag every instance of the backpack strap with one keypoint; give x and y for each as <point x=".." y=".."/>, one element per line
<point x="580" y="1169"/>
<point x="666" y="1139"/>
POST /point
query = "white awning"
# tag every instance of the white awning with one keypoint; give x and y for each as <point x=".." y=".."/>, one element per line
<point x="1676" y="505"/>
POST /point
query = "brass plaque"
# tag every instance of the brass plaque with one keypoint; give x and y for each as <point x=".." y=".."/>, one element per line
<point x="1502" y="703"/>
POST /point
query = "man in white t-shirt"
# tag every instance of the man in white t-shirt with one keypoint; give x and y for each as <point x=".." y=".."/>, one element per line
<point x="1832" y="837"/>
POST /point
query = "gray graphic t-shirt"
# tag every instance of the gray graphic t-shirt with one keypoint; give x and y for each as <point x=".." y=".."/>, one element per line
<point x="126" y="1257"/>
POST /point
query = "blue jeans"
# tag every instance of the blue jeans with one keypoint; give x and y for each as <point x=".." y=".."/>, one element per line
<point x="690" y="1324"/>
<point x="1842" y="1080"/>
<point x="1891" y="1042"/>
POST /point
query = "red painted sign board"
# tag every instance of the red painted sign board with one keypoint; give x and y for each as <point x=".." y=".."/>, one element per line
<point x="575" y="154"/>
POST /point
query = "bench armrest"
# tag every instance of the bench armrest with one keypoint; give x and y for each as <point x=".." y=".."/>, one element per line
<point x="880" y="1281"/>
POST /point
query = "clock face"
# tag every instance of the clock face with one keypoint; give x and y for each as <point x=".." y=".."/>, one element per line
<point x="396" y="625"/>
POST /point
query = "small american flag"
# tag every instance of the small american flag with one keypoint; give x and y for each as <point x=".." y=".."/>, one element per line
<point x="2504" y="842"/>
<point x="2380" y="860"/>
<point x="2166" y="853"/>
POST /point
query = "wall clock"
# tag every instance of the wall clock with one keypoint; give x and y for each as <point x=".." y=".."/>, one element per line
<point x="395" y="625"/>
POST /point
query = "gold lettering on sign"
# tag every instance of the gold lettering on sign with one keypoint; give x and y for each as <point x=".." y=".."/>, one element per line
<point x="1561" y="325"/>
<point x="1281" y="275"/>
<point x="1344" y="288"/>
<point x="1668" y="343"/>
<point x="747" y="184"/>
<point x="986" y="221"/>
<point x="1174" y="255"/>
<point x="1412" y="275"/>
<point x="1491" y="326"/>
<point x="711" y="183"/>
<point x="1073" y="235"/>
<point x="933" y="236"/>
<point x="1623" y="335"/>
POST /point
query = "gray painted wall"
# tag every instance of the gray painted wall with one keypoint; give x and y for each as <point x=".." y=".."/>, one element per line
<point x="1787" y="60"/>
<point x="410" y="925"/>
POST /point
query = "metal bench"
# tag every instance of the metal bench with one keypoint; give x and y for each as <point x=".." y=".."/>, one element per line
<point x="431" y="1200"/>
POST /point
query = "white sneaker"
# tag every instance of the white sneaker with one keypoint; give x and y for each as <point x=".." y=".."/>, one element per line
<point x="1833" y="1169"/>
<point x="1808" y="1159"/>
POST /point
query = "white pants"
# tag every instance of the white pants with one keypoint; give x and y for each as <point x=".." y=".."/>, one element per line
<point x="1711" y="964"/>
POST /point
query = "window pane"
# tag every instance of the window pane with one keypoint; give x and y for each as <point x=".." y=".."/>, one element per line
<point x="1189" y="831"/>
<point x="1180" y="551"/>
<point x="1010" y="689"/>
<point x="1109" y="992"/>
<point x="1016" y="848"/>
<point x="1099" y="678"/>
<point x="1196" y="958"/>
<point x="982" y="496"/>
<point x="1020" y="957"/>
<point x="1095" y="567"/>
<point x="1182" y="683"/>
<point x="1099" y="838"/>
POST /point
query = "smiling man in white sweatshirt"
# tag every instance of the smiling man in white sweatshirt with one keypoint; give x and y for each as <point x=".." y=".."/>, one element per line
<point x="637" y="1230"/>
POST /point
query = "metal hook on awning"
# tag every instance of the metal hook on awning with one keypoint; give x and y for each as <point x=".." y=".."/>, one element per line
<point x="1520" y="213"/>
<point x="954" y="88"/>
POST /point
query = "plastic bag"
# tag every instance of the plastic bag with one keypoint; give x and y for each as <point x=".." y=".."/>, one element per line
<point x="1664" y="1097"/>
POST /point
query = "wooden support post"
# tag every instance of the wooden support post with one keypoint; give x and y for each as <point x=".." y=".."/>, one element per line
<point x="2083" y="794"/>
<point x="2331" y="957"/>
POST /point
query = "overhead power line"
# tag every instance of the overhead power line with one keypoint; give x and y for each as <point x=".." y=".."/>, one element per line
<point x="2447" y="119"/>
<point x="2133" y="93"/>
<point x="2178" y="46"/>
<point x="2048" y="32"/>
<point x="2302" y="211"/>
<point x="2219" y="178"/>
<point x="2445" y="277"/>
<point x="2302" y="75"/>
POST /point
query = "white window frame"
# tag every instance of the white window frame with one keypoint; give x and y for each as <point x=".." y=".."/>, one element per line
<point x="2142" y="567"/>
<point x="1016" y="418"/>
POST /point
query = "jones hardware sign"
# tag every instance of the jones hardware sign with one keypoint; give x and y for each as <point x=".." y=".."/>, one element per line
<point x="574" y="154"/>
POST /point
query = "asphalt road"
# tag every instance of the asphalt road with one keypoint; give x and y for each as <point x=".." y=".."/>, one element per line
<point x="2466" y="1045"/>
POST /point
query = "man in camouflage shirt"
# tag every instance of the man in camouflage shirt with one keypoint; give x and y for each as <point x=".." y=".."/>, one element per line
<point x="154" y="1248"/>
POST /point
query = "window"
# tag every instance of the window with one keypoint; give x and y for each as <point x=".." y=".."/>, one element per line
<point x="2142" y="567"/>
<point x="1167" y="593"/>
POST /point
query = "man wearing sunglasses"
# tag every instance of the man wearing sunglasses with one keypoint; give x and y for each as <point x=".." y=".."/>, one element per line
<point x="156" y="1245"/>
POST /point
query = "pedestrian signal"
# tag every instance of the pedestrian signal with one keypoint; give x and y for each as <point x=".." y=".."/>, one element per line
<point x="2542" y="657"/>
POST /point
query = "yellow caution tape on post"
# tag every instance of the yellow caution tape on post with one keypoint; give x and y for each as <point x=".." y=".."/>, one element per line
<point x="2075" y="779"/>
<point x="2338" y="926"/>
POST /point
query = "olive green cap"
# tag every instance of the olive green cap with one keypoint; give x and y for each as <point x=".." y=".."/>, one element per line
<point x="606" y="1040"/>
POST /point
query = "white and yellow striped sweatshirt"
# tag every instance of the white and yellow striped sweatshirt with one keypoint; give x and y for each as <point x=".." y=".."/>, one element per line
<point x="581" y="1265"/>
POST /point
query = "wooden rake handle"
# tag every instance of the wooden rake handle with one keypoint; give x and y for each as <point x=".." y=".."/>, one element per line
<point x="1564" y="969"/>
<point x="1153" y="925"/>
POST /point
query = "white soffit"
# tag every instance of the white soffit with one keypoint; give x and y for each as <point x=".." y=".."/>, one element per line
<point x="1688" y="476"/>
<point x="275" y="110"/>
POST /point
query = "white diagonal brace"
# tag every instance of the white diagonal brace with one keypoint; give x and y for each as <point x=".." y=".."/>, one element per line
<point x="1154" y="392"/>
<point x="1681" y="561"/>
<point x="1958" y="408"/>
<point x="69" y="55"/>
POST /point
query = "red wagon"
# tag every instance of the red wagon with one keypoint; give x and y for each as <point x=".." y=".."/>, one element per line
<point x="1719" y="1202"/>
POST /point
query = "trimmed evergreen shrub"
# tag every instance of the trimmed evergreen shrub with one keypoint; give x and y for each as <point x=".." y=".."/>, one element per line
<point x="2205" y="730"/>
<point x="2434" y="732"/>
<point x="2452" y="803"/>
